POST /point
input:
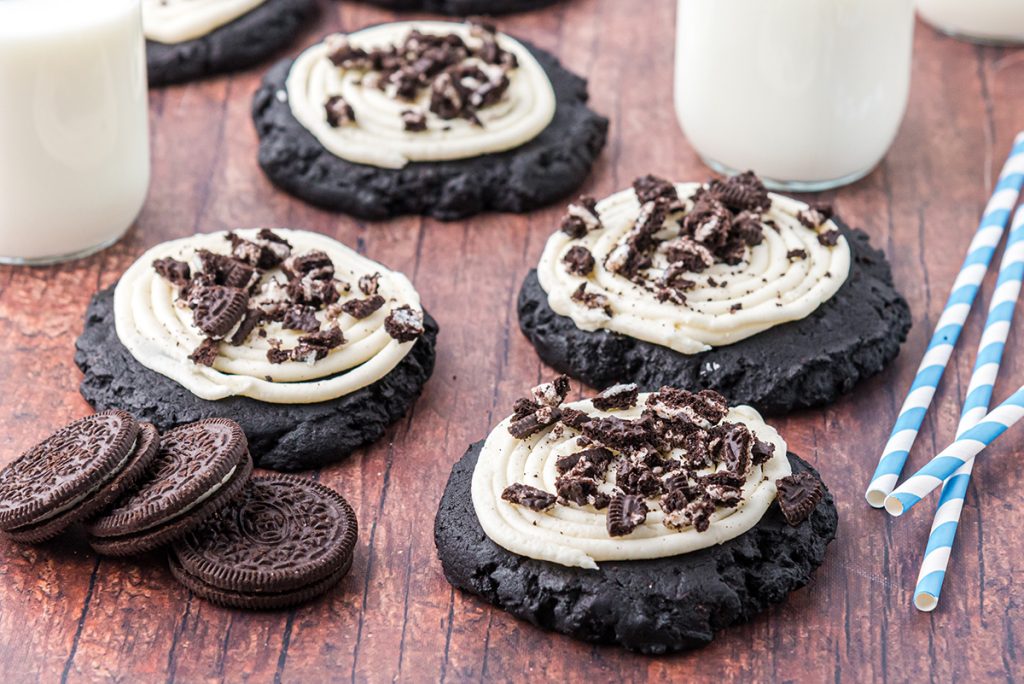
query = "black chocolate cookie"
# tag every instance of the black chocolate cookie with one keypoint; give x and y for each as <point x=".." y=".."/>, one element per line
<point x="282" y="541"/>
<point x="73" y="474"/>
<point x="652" y="606"/>
<point x="198" y="470"/>
<point x="281" y="436"/>
<point x="801" y="364"/>
<point x="547" y="168"/>
<point x="464" y="7"/>
<point x="246" y="41"/>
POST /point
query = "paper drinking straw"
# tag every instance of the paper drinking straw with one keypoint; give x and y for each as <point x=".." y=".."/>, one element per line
<point x="950" y="459"/>
<point x="947" y="330"/>
<point x="979" y="394"/>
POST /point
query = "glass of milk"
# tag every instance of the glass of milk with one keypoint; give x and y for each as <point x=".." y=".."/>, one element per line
<point x="807" y="93"/>
<point x="74" y="138"/>
<point x="999" y="22"/>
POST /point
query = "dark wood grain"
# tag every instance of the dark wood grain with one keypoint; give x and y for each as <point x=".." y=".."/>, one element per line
<point x="65" y="614"/>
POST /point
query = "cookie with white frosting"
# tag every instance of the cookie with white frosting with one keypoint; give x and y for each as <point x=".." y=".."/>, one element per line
<point x="190" y="39"/>
<point x="427" y="117"/>
<point x="464" y="7"/>
<point x="311" y="347"/>
<point x="724" y="286"/>
<point x="651" y="522"/>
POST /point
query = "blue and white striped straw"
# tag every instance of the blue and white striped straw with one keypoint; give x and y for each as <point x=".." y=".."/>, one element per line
<point x="979" y="394"/>
<point x="947" y="330"/>
<point x="952" y="458"/>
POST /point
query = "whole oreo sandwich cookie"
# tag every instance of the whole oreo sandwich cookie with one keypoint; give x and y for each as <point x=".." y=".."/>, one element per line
<point x="73" y="474"/>
<point x="426" y="117"/>
<point x="190" y="39"/>
<point x="723" y="286"/>
<point x="282" y="541"/>
<point x="312" y="348"/>
<point x="464" y="7"/>
<point x="650" y="520"/>
<point x="198" y="469"/>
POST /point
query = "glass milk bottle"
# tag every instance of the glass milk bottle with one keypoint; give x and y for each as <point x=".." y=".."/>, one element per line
<point x="74" y="139"/>
<point x="807" y="93"/>
<point x="982" y="21"/>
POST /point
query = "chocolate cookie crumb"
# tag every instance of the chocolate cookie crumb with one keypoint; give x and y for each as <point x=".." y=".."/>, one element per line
<point x="579" y="261"/>
<point x="531" y="497"/>
<point x="799" y="495"/>
<point x="626" y="512"/>
<point x="414" y="120"/>
<point x="206" y="353"/>
<point x="404" y="323"/>
<point x="339" y="112"/>
<point x="830" y="238"/>
<point x="622" y="396"/>
<point x="592" y="300"/>
<point x="368" y="284"/>
<point x="301" y="318"/>
<point x="796" y="254"/>
<point x="361" y="308"/>
<point x="175" y="272"/>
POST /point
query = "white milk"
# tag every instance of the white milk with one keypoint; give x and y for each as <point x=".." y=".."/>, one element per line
<point x="74" y="140"/>
<point x="807" y="93"/>
<point x="994" y="21"/>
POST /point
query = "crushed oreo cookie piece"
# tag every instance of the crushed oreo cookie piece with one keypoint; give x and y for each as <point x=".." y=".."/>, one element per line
<point x="218" y="309"/>
<point x="249" y="322"/>
<point x="574" y="418"/>
<point x="404" y="323"/>
<point x="581" y="217"/>
<point x="799" y="495"/>
<point x="313" y="347"/>
<point x="551" y="393"/>
<point x="339" y="112"/>
<point x="829" y="238"/>
<point x="595" y="462"/>
<point x="761" y="452"/>
<point x="533" y="423"/>
<point x="414" y="120"/>
<point x="743" y="192"/>
<point x="175" y="272"/>
<point x="531" y="497"/>
<point x="361" y="308"/>
<point x="206" y="353"/>
<point x="592" y="300"/>
<point x="686" y="255"/>
<point x="704" y="409"/>
<point x="796" y="254"/>
<point x="302" y="318"/>
<point x="579" y="261"/>
<point x="815" y="215"/>
<point x="622" y="396"/>
<point x="732" y="446"/>
<point x="654" y="189"/>
<point x="626" y="512"/>
<point x="368" y="284"/>
<point x="628" y="436"/>
<point x="695" y="512"/>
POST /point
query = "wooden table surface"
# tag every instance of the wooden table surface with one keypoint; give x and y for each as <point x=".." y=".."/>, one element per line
<point x="65" y="614"/>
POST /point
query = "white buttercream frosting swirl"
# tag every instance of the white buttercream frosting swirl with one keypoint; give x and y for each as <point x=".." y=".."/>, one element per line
<point x="784" y="278"/>
<point x="159" y="331"/>
<point x="176" y="21"/>
<point x="378" y="136"/>
<point x="578" y="536"/>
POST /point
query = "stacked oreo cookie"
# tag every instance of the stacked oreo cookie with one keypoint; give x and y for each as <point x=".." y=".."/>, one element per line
<point x="234" y="539"/>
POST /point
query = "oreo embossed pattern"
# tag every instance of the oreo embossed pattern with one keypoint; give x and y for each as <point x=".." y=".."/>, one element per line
<point x="244" y="542"/>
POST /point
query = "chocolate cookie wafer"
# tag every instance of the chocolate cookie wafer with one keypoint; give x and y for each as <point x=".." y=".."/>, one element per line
<point x="282" y="541"/>
<point x="199" y="468"/>
<point x="73" y="474"/>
